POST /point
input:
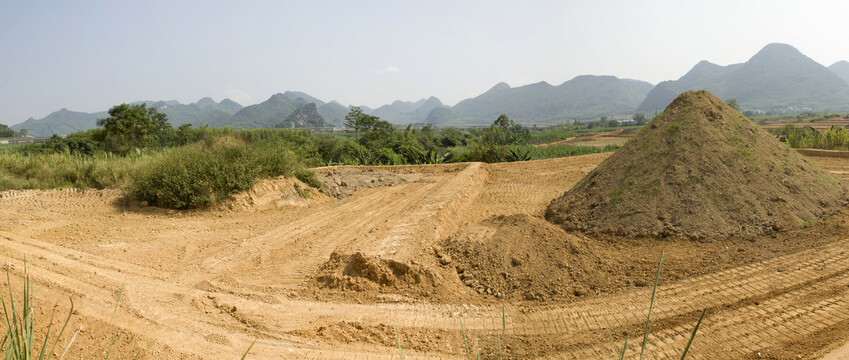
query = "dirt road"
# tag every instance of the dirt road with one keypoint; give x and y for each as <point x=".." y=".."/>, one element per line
<point x="205" y="284"/>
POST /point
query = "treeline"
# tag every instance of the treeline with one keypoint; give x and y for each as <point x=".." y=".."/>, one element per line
<point x="376" y="142"/>
<point x="136" y="149"/>
<point x="6" y="132"/>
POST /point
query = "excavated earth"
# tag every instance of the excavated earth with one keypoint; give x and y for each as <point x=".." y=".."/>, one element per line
<point x="700" y="170"/>
<point x="415" y="256"/>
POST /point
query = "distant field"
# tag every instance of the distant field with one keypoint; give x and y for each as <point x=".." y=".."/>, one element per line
<point x="819" y="125"/>
<point x="599" y="139"/>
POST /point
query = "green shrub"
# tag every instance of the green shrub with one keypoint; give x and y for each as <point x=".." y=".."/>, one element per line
<point x="308" y="177"/>
<point x="487" y="152"/>
<point x="197" y="175"/>
<point x="387" y="156"/>
<point x="204" y="173"/>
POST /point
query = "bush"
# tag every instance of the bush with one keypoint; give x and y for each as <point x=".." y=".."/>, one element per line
<point x="387" y="156"/>
<point x="310" y="178"/>
<point x="197" y="175"/>
<point x="204" y="173"/>
<point x="486" y="152"/>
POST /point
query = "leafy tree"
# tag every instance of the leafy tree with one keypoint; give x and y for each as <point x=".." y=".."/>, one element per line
<point x="640" y="118"/>
<point x="131" y="127"/>
<point x="505" y="131"/>
<point x="5" y="131"/>
<point x="733" y="104"/>
<point x="359" y="121"/>
<point x="503" y="121"/>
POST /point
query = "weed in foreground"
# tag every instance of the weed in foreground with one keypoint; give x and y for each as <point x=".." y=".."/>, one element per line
<point x="19" y="337"/>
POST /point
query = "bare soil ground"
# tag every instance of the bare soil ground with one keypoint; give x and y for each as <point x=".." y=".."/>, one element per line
<point x="322" y="276"/>
<point x="602" y="139"/>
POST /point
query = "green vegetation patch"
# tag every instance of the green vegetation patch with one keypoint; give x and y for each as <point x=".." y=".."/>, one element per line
<point x="205" y="173"/>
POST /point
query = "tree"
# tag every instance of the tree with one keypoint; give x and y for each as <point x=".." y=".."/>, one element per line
<point x="733" y="104"/>
<point x="359" y="121"/>
<point x="640" y="118"/>
<point x="505" y="131"/>
<point x="24" y="132"/>
<point x="503" y="121"/>
<point x="131" y="127"/>
<point x="5" y="131"/>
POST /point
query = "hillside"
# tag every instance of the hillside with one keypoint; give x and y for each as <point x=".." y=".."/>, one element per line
<point x="406" y="112"/>
<point x="333" y="113"/>
<point x="60" y="122"/>
<point x="841" y="68"/>
<point x="306" y="116"/>
<point x="263" y="115"/>
<point x="702" y="170"/>
<point x="777" y="77"/>
<point x="583" y="97"/>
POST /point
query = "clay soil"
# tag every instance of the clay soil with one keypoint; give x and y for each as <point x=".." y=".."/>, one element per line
<point x="348" y="273"/>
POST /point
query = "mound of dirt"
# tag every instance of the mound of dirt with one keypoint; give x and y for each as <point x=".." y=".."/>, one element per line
<point x="273" y="193"/>
<point x="700" y="169"/>
<point x="342" y="182"/>
<point x="527" y="258"/>
<point x="363" y="273"/>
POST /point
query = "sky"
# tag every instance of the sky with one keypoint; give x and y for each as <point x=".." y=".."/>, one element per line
<point x="90" y="55"/>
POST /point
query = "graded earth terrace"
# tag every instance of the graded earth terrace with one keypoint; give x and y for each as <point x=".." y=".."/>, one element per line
<point x="417" y="249"/>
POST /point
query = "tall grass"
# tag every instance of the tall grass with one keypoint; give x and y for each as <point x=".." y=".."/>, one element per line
<point x="64" y="170"/>
<point x="836" y="138"/>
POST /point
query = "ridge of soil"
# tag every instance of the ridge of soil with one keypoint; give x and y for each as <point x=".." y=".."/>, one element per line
<point x="700" y="169"/>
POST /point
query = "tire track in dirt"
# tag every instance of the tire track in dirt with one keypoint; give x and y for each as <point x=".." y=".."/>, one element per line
<point x="152" y="306"/>
<point x="287" y="255"/>
<point x="754" y="307"/>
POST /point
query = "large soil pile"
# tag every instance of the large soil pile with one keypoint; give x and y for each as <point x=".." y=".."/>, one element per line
<point x="700" y="169"/>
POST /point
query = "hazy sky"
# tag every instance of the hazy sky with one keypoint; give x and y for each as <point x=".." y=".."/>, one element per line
<point x="90" y="55"/>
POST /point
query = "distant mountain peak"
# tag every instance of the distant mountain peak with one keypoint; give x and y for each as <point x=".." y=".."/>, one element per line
<point x="777" y="77"/>
<point x="433" y="100"/>
<point x="205" y="101"/>
<point x="841" y="68"/>
<point x="541" y="84"/>
<point x="775" y="50"/>
<point x="500" y="86"/>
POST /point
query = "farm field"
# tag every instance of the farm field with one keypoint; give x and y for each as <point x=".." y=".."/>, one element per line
<point x="408" y="248"/>
<point x="601" y="139"/>
<point x="822" y="125"/>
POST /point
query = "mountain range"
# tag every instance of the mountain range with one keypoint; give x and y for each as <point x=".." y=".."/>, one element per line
<point x="777" y="77"/>
<point x="204" y="111"/>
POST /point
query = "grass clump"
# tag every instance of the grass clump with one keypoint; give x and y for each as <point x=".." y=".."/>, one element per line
<point x="19" y="339"/>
